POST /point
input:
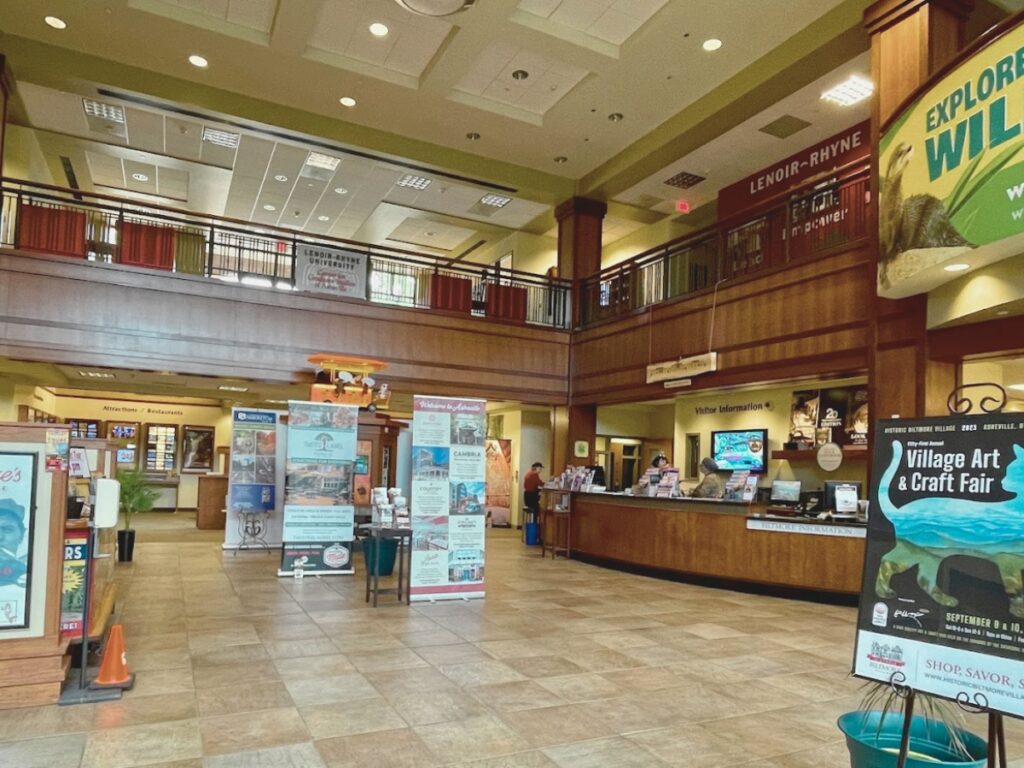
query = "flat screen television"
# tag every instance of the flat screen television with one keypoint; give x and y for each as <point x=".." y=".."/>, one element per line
<point x="830" y="492"/>
<point x="737" y="449"/>
<point x="786" y="491"/>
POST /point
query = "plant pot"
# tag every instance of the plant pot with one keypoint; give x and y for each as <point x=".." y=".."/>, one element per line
<point x="875" y="743"/>
<point x="125" y="545"/>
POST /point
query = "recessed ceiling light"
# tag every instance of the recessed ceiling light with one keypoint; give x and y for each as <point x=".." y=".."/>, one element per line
<point x="318" y="160"/>
<point x="280" y="177"/>
<point x="473" y="136"/>
<point x="378" y="30"/>
<point x="416" y="182"/>
<point x="95" y="375"/>
<point x="56" y="23"/>
<point x="341" y="190"/>
<point x="852" y="90"/>
<point x="1003" y="312"/>
<point x="140" y="177"/>
<point x="347" y="101"/>
<point x="961" y="267"/>
<point x="429" y="234"/>
<point x="220" y="138"/>
<point x="615" y="117"/>
<point x="230" y="388"/>
<point x="711" y="44"/>
<point x="198" y="61"/>
<point x="520" y="74"/>
<point x="269" y="207"/>
<point x="110" y="112"/>
<point x="496" y="201"/>
<point x="561" y="159"/>
<point x="323" y="218"/>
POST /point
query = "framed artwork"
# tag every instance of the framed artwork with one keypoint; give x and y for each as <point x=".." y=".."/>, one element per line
<point x="197" y="445"/>
<point x="17" y="516"/>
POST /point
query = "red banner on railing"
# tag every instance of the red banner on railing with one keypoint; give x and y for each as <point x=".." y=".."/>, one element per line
<point x="846" y="147"/>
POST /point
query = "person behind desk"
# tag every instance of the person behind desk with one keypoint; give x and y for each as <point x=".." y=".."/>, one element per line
<point x="532" y="483"/>
<point x="711" y="485"/>
<point x="659" y="462"/>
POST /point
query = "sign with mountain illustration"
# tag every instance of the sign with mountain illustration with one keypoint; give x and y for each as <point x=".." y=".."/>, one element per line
<point x="952" y="172"/>
<point x="942" y="601"/>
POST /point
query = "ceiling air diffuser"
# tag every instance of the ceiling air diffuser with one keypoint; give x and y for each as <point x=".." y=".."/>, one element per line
<point x="435" y="7"/>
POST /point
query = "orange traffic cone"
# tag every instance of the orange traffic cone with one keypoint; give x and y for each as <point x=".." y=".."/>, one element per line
<point x="114" y="669"/>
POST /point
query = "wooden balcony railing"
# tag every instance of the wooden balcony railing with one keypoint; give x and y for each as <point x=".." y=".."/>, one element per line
<point x="818" y="219"/>
<point x="107" y="229"/>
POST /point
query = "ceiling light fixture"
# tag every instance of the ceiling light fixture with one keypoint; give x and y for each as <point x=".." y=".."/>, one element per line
<point x="1002" y="313"/>
<point x="435" y="7"/>
<point x="711" y="44"/>
<point x="140" y="177"/>
<point x="615" y="117"/>
<point x="231" y="388"/>
<point x="96" y="375"/>
<point x="198" y="61"/>
<point x="429" y="234"/>
<point x="318" y="160"/>
<point x="323" y="218"/>
<point x="220" y="138"/>
<point x="495" y="201"/>
<point x="473" y="136"/>
<point x="56" y="23"/>
<point x="415" y="182"/>
<point x="347" y="101"/>
<point x="280" y="177"/>
<point x="520" y="74"/>
<point x="960" y="267"/>
<point x="341" y="190"/>
<point x="269" y="207"/>
<point x="379" y="30"/>
<point x="1018" y="387"/>
<point x="110" y="112"/>
<point x="561" y="159"/>
<point x="849" y="92"/>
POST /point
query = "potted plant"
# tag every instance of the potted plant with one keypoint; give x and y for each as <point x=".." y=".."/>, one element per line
<point x="136" y="496"/>
<point x="937" y="735"/>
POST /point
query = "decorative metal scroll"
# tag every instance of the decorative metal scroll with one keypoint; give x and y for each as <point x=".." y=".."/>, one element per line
<point x="960" y="404"/>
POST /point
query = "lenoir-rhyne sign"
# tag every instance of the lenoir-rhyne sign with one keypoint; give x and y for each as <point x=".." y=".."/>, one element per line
<point x="683" y="368"/>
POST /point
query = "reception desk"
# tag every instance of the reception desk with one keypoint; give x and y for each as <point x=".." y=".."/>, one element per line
<point x="716" y="540"/>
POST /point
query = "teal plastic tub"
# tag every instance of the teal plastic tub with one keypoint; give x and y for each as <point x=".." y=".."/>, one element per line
<point x="388" y="551"/>
<point x="872" y="746"/>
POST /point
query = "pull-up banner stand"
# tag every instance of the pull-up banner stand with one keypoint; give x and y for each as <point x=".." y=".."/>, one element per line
<point x="448" y="498"/>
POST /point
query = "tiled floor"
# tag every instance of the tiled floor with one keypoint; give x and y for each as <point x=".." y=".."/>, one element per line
<point x="562" y="664"/>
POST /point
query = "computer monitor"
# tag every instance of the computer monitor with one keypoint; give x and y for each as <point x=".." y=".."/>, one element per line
<point x="830" y="492"/>
<point x="785" y="491"/>
<point x="598" y="474"/>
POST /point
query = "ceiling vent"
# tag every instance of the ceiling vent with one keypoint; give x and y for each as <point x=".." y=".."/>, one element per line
<point x="436" y="7"/>
<point x="106" y="119"/>
<point x="784" y="127"/>
<point x="684" y="180"/>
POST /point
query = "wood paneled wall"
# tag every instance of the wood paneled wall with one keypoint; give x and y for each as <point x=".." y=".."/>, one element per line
<point x="809" y="320"/>
<point x="62" y="310"/>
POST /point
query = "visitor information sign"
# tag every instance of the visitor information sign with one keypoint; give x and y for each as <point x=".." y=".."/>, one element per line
<point x="448" y="497"/>
<point x="942" y="604"/>
<point x="319" y="519"/>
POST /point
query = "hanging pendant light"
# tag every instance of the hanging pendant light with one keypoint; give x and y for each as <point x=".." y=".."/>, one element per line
<point x="435" y="7"/>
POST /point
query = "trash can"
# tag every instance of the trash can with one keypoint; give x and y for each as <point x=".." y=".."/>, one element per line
<point x="532" y="534"/>
<point x="388" y="551"/>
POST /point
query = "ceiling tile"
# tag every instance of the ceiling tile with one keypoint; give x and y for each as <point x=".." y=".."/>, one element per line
<point x="542" y="8"/>
<point x="577" y="14"/>
<point x="614" y="27"/>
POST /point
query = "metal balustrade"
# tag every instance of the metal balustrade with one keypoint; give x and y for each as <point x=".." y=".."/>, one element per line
<point x="259" y="256"/>
<point x="816" y="220"/>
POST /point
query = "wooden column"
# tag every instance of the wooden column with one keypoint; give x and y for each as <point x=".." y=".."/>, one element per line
<point x="571" y="424"/>
<point x="910" y="41"/>
<point x="5" y="97"/>
<point x="579" y="243"/>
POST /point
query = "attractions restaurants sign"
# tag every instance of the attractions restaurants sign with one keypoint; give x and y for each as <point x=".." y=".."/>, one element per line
<point x="834" y="152"/>
<point x="952" y="170"/>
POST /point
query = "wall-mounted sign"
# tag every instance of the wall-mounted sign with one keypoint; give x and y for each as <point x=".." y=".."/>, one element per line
<point x="581" y="449"/>
<point x="942" y="600"/>
<point x="830" y="457"/>
<point x="830" y="415"/>
<point x="683" y="368"/>
<point x="952" y="174"/>
<point x="839" y="150"/>
<point x="330" y="270"/>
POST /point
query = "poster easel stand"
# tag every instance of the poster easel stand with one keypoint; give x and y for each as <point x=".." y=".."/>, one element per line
<point x="960" y="405"/>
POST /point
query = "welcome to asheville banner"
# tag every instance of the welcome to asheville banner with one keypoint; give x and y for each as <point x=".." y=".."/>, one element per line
<point x="942" y="603"/>
<point x="448" y="497"/>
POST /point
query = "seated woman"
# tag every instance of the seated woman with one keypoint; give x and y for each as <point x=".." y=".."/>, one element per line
<point x="711" y="485"/>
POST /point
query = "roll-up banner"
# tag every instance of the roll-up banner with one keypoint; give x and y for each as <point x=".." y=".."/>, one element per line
<point x="255" y="472"/>
<point x="448" y="497"/>
<point x="942" y="604"/>
<point x="319" y="519"/>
